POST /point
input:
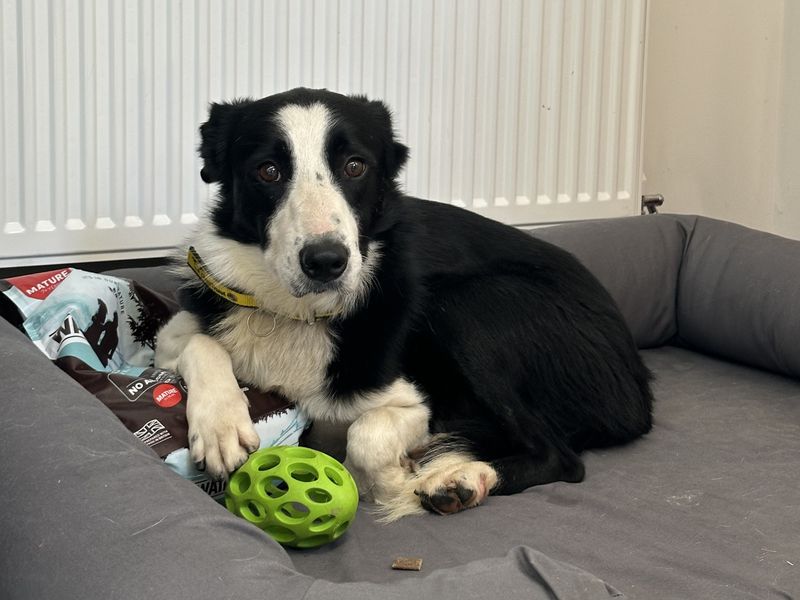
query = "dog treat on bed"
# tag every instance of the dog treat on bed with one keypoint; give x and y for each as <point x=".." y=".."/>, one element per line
<point x="405" y="563"/>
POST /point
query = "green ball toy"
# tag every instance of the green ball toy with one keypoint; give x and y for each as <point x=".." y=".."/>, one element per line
<point x="301" y="497"/>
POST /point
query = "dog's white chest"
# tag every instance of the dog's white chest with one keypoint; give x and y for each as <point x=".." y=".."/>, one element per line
<point x="276" y="352"/>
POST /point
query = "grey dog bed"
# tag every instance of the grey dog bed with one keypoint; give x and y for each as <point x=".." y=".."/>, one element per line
<point x="706" y="506"/>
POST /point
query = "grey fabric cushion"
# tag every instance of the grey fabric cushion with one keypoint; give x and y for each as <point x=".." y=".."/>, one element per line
<point x="522" y="573"/>
<point x="637" y="259"/>
<point x="739" y="295"/>
<point x="705" y="506"/>
<point x="89" y="512"/>
<point x="158" y="279"/>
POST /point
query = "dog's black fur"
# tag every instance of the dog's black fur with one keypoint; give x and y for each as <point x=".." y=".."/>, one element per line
<point x="522" y="354"/>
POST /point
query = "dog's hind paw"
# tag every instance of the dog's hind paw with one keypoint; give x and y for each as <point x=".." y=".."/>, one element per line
<point x="451" y="491"/>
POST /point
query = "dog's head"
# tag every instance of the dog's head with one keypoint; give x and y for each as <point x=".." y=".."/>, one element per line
<point x="303" y="176"/>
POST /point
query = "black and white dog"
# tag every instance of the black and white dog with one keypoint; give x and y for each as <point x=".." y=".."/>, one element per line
<point x="468" y="357"/>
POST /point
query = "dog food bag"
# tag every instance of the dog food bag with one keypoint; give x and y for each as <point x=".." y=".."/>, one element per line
<point x="101" y="330"/>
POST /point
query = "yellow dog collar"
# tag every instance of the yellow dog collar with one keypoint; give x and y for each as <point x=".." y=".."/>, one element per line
<point x="236" y="297"/>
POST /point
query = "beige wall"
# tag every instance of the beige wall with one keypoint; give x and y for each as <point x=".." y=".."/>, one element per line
<point x="787" y="218"/>
<point x="722" y="114"/>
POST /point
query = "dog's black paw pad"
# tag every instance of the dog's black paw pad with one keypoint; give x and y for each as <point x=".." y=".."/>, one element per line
<point x="447" y="501"/>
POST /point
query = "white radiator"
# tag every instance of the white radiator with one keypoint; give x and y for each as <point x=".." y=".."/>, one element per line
<point x="527" y="111"/>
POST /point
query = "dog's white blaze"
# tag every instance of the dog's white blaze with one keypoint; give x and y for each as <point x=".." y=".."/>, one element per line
<point x="314" y="206"/>
<point x="306" y="128"/>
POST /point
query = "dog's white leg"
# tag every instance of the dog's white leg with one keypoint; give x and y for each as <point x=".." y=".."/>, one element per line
<point x="221" y="434"/>
<point x="172" y="339"/>
<point x="377" y="446"/>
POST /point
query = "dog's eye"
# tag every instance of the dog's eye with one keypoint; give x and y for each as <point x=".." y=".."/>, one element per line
<point x="355" y="167"/>
<point x="269" y="172"/>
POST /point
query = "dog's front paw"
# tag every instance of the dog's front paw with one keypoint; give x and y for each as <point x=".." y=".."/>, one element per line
<point x="221" y="434"/>
<point x="450" y="491"/>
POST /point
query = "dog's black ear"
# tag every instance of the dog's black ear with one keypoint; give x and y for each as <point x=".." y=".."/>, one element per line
<point x="395" y="153"/>
<point x="216" y="136"/>
<point x="396" y="158"/>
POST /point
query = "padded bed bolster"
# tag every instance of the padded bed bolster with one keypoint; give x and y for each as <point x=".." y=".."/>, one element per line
<point x="637" y="259"/>
<point x="157" y="279"/>
<point x="739" y="295"/>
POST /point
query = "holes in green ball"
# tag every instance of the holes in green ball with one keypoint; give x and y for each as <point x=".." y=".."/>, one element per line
<point x="239" y="483"/>
<point x="280" y="533"/>
<point x="340" y="529"/>
<point x="297" y="452"/>
<point x="303" y="472"/>
<point x="318" y="495"/>
<point x="322" y="523"/>
<point x="266" y="462"/>
<point x="253" y="511"/>
<point x="274" y="487"/>
<point x="292" y="513"/>
<point x="334" y="476"/>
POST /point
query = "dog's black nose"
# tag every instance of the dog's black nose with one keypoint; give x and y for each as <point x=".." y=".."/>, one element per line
<point x="324" y="260"/>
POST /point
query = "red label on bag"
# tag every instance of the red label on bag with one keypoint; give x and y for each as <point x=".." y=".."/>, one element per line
<point x="166" y="395"/>
<point x="39" y="285"/>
